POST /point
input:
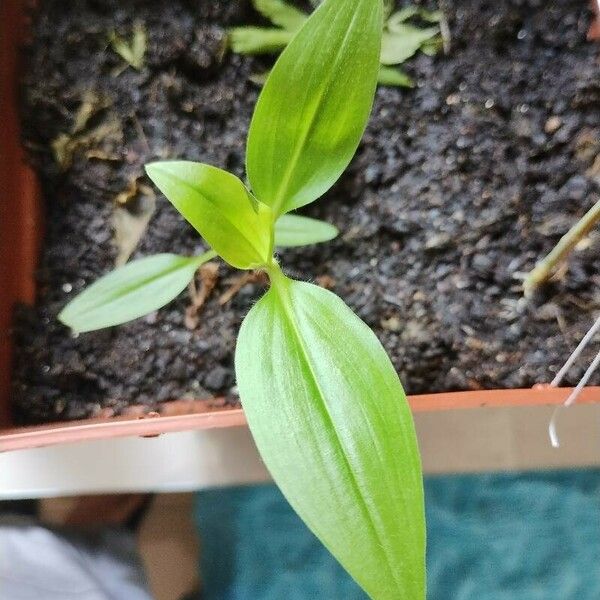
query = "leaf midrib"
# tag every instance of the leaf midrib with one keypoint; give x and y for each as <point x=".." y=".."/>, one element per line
<point x="282" y="193"/>
<point x="282" y="293"/>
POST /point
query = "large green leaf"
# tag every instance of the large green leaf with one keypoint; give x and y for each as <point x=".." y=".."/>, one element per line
<point x="331" y="422"/>
<point x="315" y="104"/>
<point x="220" y="208"/>
<point x="281" y="13"/>
<point x="293" y="230"/>
<point x="131" y="291"/>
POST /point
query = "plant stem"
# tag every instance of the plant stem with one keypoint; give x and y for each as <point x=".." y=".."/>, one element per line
<point x="206" y="256"/>
<point x="544" y="268"/>
<point x="276" y="275"/>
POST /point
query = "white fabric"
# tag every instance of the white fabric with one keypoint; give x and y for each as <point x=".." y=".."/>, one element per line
<point x="44" y="564"/>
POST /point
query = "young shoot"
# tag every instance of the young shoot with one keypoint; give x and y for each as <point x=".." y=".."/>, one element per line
<point x="402" y="36"/>
<point x="323" y="401"/>
<point x="133" y="51"/>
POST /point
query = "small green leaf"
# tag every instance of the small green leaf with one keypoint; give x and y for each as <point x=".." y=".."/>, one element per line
<point x="259" y="78"/>
<point x="388" y="7"/>
<point x="406" y="13"/>
<point x="218" y="205"/>
<point x="400" y="16"/>
<point x="431" y="16"/>
<point x="131" y="52"/>
<point x="403" y="43"/>
<point x="293" y="230"/>
<point x="433" y="46"/>
<point x="131" y="291"/>
<point x="281" y="13"/>
<point x="331" y="422"/>
<point x="258" y="40"/>
<point x="138" y="45"/>
<point x="394" y="77"/>
<point x="315" y="105"/>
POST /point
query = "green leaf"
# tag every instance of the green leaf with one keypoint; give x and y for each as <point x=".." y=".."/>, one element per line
<point x="293" y="230"/>
<point x="394" y="77"/>
<point x="259" y="78"/>
<point x="258" y="40"/>
<point x="403" y="43"/>
<point x="433" y="46"/>
<point x="388" y="7"/>
<point x="315" y="105"/>
<point x="406" y="13"/>
<point x="331" y="422"/>
<point x="131" y="52"/>
<point x="431" y="16"/>
<point x="281" y="13"/>
<point x="131" y="291"/>
<point x="400" y="16"/>
<point x="138" y="45"/>
<point x="218" y="205"/>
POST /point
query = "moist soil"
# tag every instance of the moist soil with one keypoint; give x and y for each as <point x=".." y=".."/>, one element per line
<point x="458" y="187"/>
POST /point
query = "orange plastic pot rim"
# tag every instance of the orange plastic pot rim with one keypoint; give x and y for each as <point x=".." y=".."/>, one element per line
<point x="155" y="424"/>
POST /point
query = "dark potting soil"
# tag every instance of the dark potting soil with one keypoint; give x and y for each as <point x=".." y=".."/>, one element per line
<point x="459" y="186"/>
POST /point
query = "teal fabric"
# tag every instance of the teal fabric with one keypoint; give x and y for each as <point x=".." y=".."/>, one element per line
<point x="525" y="536"/>
<point x="532" y="536"/>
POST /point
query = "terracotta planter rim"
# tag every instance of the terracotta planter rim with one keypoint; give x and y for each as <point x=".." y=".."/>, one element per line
<point x="155" y="424"/>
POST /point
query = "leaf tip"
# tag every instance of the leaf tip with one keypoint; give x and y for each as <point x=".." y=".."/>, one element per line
<point x="68" y="319"/>
<point x="333" y="232"/>
<point x="152" y="169"/>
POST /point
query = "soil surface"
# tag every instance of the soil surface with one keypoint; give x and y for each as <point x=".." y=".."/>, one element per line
<point x="459" y="186"/>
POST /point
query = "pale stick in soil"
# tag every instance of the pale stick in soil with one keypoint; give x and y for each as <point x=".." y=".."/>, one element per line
<point x="545" y="268"/>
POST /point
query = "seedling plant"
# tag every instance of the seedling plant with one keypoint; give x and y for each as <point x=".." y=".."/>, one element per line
<point x="323" y="402"/>
<point x="132" y="52"/>
<point x="402" y="37"/>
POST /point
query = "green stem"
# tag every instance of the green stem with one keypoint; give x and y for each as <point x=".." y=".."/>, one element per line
<point x="206" y="256"/>
<point x="278" y="278"/>
<point x="544" y="268"/>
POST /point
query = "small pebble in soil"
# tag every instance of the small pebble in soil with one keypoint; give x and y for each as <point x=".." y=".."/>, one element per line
<point x="217" y="379"/>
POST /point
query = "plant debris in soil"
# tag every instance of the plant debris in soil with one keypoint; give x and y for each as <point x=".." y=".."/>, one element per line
<point x="458" y="187"/>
